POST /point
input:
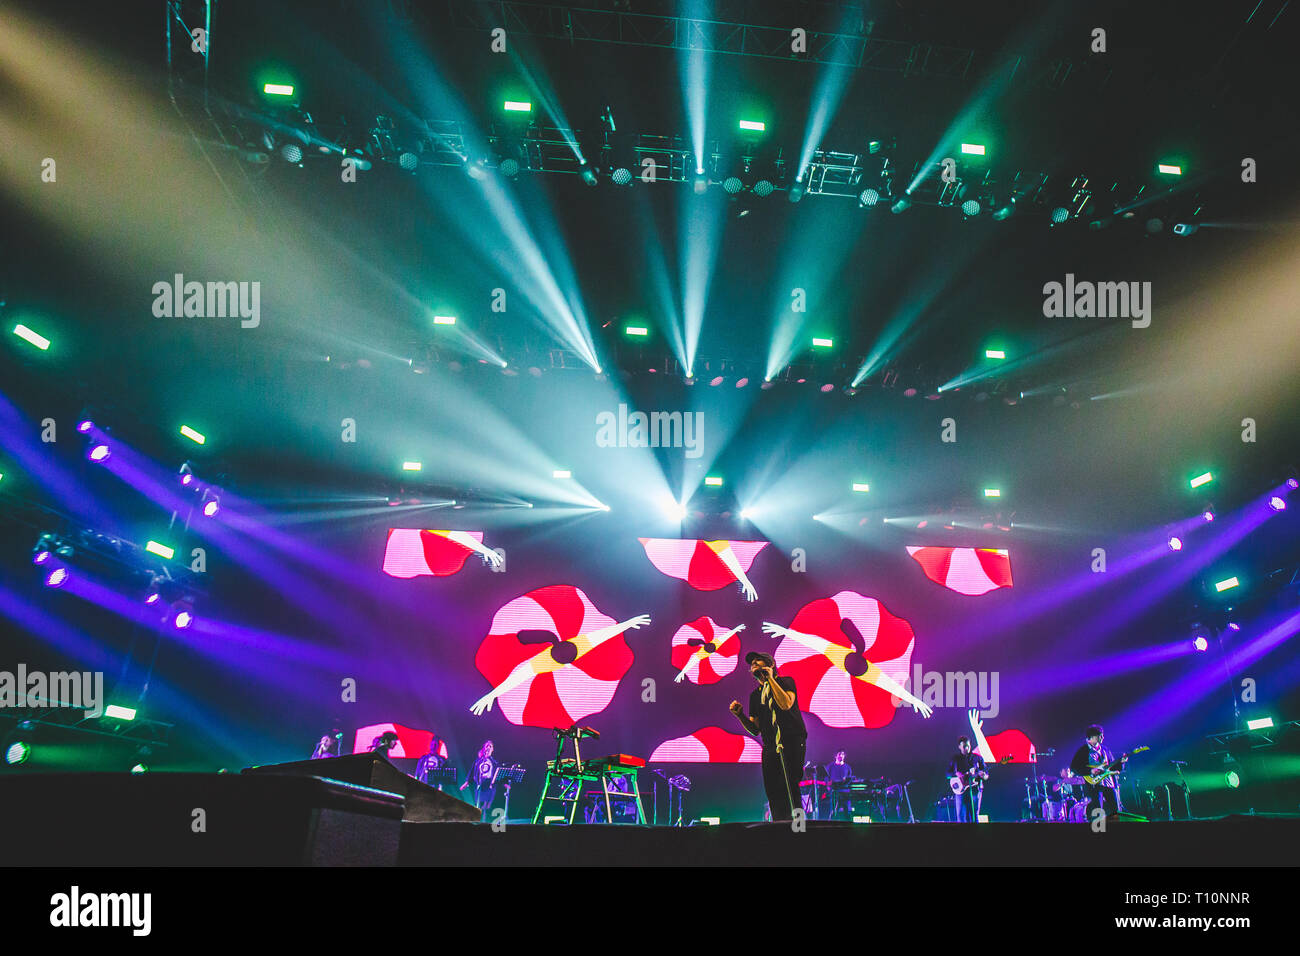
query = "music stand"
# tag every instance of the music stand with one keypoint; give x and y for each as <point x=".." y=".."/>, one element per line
<point x="439" y="776"/>
<point x="508" y="776"/>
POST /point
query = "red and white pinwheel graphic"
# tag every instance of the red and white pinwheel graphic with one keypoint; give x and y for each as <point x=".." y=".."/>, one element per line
<point x="412" y="552"/>
<point x="844" y="687"/>
<point x="969" y="571"/>
<point x="558" y="682"/>
<point x="703" y="652"/>
<point x="410" y="742"/>
<point x="1011" y="746"/>
<point x="704" y="565"/>
<point x="708" y="745"/>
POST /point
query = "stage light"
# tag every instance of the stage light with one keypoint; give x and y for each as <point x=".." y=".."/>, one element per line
<point x="211" y="506"/>
<point x="1259" y="723"/>
<point x="588" y="174"/>
<point x="192" y="435"/>
<point x="85" y="425"/>
<point x="1292" y="484"/>
<point x="98" y="452"/>
<point x="444" y="320"/>
<point x="277" y="89"/>
<point x="970" y="208"/>
<point x="828" y="387"/>
<point x="517" y="106"/>
<point x="716" y="381"/>
<point x="182" y="619"/>
<point x="732" y="185"/>
<point x="162" y="550"/>
<point x="796" y="191"/>
<point x="1200" y="643"/>
<point x="1169" y="169"/>
<point x="509" y="168"/>
<point x="675" y="510"/>
<point x="711" y="821"/>
<point x="972" y="149"/>
<point x="1154" y="225"/>
<point x="861" y="486"/>
<point x="713" y="481"/>
<point x="622" y="176"/>
<point x="868" y="197"/>
<point x="1006" y="210"/>
<point x="476" y="169"/>
<point x="1203" y="479"/>
<point x="995" y="354"/>
<point x="763" y="188"/>
<point x="140" y="768"/>
<point x="1175" y="544"/>
<point x="56" y="578"/>
<point x="1276" y="503"/>
<point x="1232" y="779"/>
<point x="638" y="330"/>
<point x="901" y="205"/>
<point x="1059" y="215"/>
<point x="27" y="335"/>
<point x="561" y="473"/>
<point x="119" y="713"/>
<point x="17" y="752"/>
<point x="992" y="493"/>
<point x="1226" y="584"/>
<point x="408" y="161"/>
<point x="1234" y="626"/>
<point x="291" y="153"/>
<point x="753" y="126"/>
<point x="152" y="597"/>
<point x="1184" y="229"/>
<point x="1208" y="515"/>
<point x="822" y="343"/>
<point x="411" y="466"/>
<point x="40" y="557"/>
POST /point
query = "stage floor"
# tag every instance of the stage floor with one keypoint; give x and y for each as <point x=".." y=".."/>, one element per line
<point x="1228" y="841"/>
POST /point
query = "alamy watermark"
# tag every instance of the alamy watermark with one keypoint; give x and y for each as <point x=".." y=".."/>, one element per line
<point x="1098" y="300"/>
<point x="651" y="430"/>
<point x="212" y="300"/>
<point x="76" y="689"/>
<point x="963" y="689"/>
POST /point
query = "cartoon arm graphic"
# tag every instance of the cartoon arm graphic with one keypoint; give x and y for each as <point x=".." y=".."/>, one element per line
<point x="728" y="557"/>
<point x="544" y="663"/>
<point x="469" y="541"/>
<point x="838" y="653"/>
<point x="693" y="664"/>
<point x="977" y="728"/>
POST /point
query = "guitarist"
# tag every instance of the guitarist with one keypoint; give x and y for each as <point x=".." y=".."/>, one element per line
<point x="1090" y="760"/>
<point x="968" y="767"/>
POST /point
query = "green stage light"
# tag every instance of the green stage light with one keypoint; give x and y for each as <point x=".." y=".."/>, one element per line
<point x="861" y="486"/>
<point x="1199" y="480"/>
<point x="753" y="126"/>
<point x="638" y="330"/>
<point x="153" y="547"/>
<point x="119" y="713"/>
<point x="1169" y="169"/>
<point x="1259" y="723"/>
<point x="972" y="149"/>
<point x="517" y="106"/>
<point x="278" y="89"/>
<point x="823" y="343"/>
<point x="411" y="466"/>
<point x="713" y="481"/>
<point x="17" y="752"/>
<point x="562" y="473"/>
<point x="444" y="320"/>
<point x="1226" y="584"/>
<point x="995" y="353"/>
<point x="192" y="435"/>
<point x="992" y="492"/>
<point x="1232" y="779"/>
<point x="27" y="335"/>
<point x="711" y="821"/>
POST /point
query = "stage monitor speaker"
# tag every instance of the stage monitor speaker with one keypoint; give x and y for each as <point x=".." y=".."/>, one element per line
<point x="424" y="804"/>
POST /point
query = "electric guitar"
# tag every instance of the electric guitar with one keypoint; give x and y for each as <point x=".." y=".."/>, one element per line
<point x="1109" y="770"/>
<point x="964" y="781"/>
